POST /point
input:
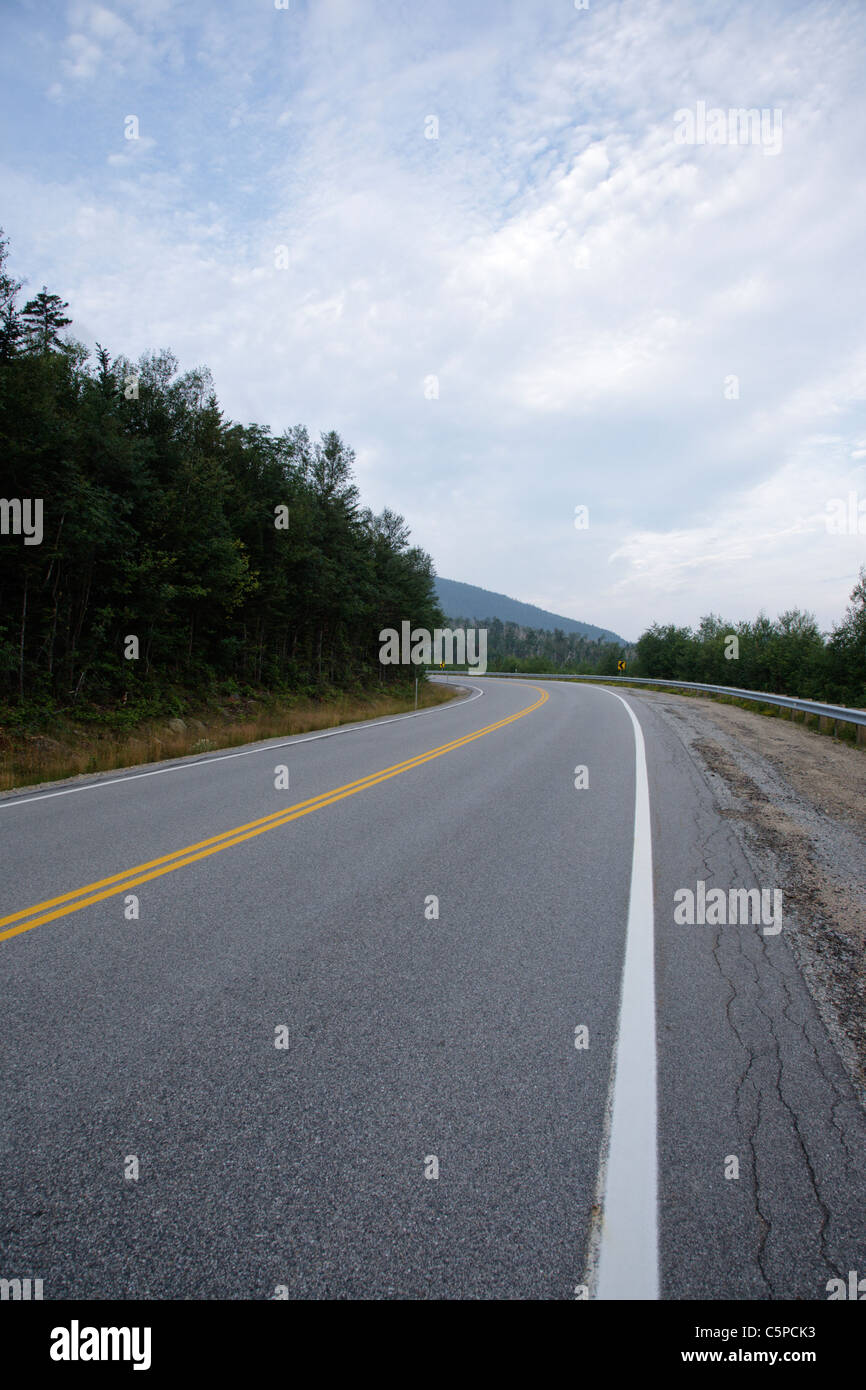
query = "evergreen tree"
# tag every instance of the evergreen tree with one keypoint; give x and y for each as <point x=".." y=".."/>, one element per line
<point x="43" y="318"/>
<point x="160" y="520"/>
<point x="11" y="329"/>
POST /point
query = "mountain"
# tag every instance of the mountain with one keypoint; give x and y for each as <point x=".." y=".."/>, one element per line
<point x="468" y="601"/>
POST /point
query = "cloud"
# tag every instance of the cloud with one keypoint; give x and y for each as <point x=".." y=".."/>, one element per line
<point x="584" y="288"/>
<point x="101" y="43"/>
<point x="99" y="36"/>
<point x="745" y="548"/>
<point x="134" y="149"/>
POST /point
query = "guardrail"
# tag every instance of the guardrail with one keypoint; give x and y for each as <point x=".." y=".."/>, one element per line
<point x="842" y="714"/>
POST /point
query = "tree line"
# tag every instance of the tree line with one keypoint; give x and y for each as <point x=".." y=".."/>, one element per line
<point x="785" y="656"/>
<point x="513" y="647"/>
<point x="231" y="555"/>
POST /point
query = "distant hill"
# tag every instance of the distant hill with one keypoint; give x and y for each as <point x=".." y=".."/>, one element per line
<point x="468" y="601"/>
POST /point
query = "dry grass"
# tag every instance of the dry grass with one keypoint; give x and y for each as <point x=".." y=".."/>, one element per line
<point x="27" y="760"/>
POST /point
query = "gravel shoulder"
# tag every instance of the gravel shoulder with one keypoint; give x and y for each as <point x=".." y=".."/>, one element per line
<point x="797" y="800"/>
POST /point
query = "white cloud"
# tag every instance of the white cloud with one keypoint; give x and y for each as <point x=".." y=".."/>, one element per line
<point x="101" y="43"/>
<point x="83" y="57"/>
<point x="581" y="285"/>
<point x="745" y="550"/>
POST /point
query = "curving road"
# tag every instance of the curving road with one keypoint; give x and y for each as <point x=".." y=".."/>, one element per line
<point x="246" y="1090"/>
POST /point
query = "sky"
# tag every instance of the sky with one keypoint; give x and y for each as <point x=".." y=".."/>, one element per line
<point x="506" y="249"/>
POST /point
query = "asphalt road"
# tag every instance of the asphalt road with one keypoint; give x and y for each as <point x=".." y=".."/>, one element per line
<point x="307" y="1167"/>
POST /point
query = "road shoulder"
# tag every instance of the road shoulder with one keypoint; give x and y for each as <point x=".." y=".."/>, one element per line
<point x="797" y="802"/>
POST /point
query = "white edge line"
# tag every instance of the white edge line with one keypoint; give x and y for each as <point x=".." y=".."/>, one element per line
<point x="628" y="1241"/>
<point x="265" y="746"/>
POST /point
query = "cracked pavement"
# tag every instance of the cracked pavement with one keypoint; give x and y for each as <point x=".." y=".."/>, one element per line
<point x="406" y="1036"/>
<point x="741" y="1033"/>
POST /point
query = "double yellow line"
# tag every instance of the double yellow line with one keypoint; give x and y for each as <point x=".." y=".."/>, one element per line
<point x="52" y="908"/>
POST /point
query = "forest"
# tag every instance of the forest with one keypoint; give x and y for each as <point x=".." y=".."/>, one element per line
<point x="788" y="656"/>
<point x="180" y="552"/>
<point x="513" y="647"/>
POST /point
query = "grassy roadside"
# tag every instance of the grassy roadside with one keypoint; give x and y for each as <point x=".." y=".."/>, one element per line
<point x="64" y="748"/>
